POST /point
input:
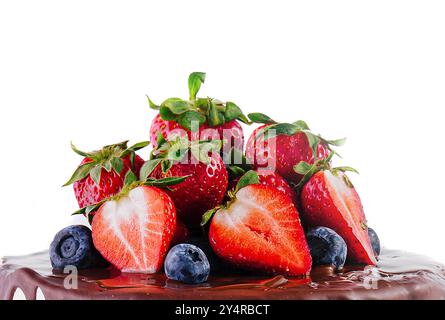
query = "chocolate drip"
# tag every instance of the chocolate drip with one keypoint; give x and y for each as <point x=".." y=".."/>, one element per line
<point x="399" y="275"/>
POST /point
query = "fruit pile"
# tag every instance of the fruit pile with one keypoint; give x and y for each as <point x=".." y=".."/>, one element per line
<point x="201" y="204"/>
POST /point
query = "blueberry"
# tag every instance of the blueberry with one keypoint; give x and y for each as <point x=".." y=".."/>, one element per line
<point x="202" y="243"/>
<point x="327" y="247"/>
<point x="375" y="242"/>
<point x="73" y="246"/>
<point x="187" y="263"/>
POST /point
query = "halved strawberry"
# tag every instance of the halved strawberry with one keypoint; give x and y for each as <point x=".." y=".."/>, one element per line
<point x="260" y="230"/>
<point x="329" y="199"/>
<point x="134" y="232"/>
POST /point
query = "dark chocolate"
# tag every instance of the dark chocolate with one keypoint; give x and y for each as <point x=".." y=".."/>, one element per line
<point x="399" y="275"/>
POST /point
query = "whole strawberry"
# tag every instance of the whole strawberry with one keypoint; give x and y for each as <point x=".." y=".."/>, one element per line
<point x="207" y="179"/>
<point x="269" y="179"/>
<point x="101" y="173"/>
<point x="199" y="118"/>
<point x="281" y="146"/>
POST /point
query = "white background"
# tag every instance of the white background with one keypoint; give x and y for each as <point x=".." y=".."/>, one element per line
<point x="373" y="71"/>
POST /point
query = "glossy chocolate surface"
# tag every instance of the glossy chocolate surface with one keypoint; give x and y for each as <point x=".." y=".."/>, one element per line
<point x="399" y="275"/>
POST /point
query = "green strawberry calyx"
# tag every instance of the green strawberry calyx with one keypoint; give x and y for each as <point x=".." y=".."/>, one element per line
<point x="198" y="110"/>
<point x="130" y="182"/>
<point x="307" y="170"/>
<point x="274" y="128"/>
<point x="248" y="178"/>
<point x="175" y="150"/>
<point x="108" y="158"/>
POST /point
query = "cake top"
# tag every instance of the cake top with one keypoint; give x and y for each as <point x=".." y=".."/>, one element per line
<point x="398" y="275"/>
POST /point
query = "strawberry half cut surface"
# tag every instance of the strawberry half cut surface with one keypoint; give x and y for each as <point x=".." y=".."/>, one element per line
<point x="134" y="232"/>
<point x="260" y="230"/>
<point x="329" y="199"/>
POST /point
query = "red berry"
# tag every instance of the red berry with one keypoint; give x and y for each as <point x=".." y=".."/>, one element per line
<point x="270" y="179"/>
<point x="101" y="174"/>
<point x="261" y="231"/>
<point x="204" y="189"/>
<point x="331" y="201"/>
<point x="87" y="192"/>
<point x="282" y="152"/>
<point x="134" y="233"/>
<point x="231" y="132"/>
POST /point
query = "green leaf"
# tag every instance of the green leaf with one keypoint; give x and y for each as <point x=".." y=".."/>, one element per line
<point x="164" y="182"/>
<point x="160" y="140"/>
<point x="95" y="174"/>
<point x="195" y="80"/>
<point x="279" y="129"/>
<point x="301" y="125"/>
<point x="215" y="117"/>
<point x="166" y="114"/>
<point x="176" y="105"/>
<point x="80" y="211"/>
<point x="250" y="177"/>
<point x="93" y="207"/>
<point x="232" y="112"/>
<point x="202" y="104"/>
<point x="90" y="219"/>
<point x="177" y="149"/>
<point x="201" y="149"/>
<point x="345" y="169"/>
<point x="166" y="165"/>
<point x="313" y="142"/>
<point x="82" y="153"/>
<point x="302" y="167"/>
<point x="336" y="143"/>
<point x="235" y="171"/>
<point x="130" y="177"/>
<point x="107" y="166"/>
<point x="151" y="104"/>
<point x="326" y="162"/>
<point x="190" y="117"/>
<point x="117" y="164"/>
<point x="80" y="173"/>
<point x="207" y="216"/>
<point x="132" y="158"/>
<point x="139" y="145"/>
<point x="117" y="146"/>
<point x="258" y="117"/>
<point x="147" y="168"/>
<point x="347" y="181"/>
<point x="312" y="170"/>
<point x="244" y="119"/>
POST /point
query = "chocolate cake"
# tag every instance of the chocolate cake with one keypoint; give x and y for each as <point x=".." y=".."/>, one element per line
<point x="205" y="218"/>
<point x="398" y="275"/>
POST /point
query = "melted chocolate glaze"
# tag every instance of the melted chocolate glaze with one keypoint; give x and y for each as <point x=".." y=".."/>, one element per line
<point x="399" y="275"/>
